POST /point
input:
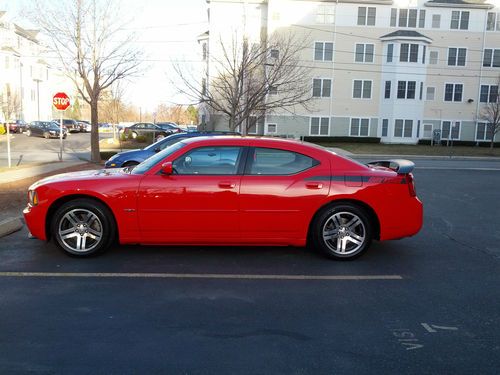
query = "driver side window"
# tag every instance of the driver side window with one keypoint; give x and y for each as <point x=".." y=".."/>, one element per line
<point x="209" y="161"/>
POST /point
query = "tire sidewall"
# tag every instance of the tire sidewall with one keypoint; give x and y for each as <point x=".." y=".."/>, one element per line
<point x="101" y="211"/>
<point x="325" y="214"/>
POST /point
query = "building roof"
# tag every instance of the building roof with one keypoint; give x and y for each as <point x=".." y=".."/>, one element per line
<point x="461" y="3"/>
<point x="405" y="34"/>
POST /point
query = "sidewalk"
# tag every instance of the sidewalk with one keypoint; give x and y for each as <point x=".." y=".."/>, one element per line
<point x="17" y="174"/>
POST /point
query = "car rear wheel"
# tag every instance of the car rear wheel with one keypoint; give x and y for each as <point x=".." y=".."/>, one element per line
<point x="134" y="135"/>
<point x="28" y="133"/>
<point x="342" y="231"/>
<point x="46" y="135"/>
<point x="83" y="227"/>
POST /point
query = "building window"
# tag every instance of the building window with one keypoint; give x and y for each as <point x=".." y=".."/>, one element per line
<point x="203" y="86"/>
<point x="493" y="22"/>
<point x="403" y="128"/>
<point x="491" y="57"/>
<point x="359" y="127"/>
<point x="394" y="16"/>
<point x="427" y="131"/>
<point x="489" y="94"/>
<point x="385" y="127"/>
<point x="362" y="89"/>
<point x="387" y="94"/>
<point x="421" y="19"/>
<point x="436" y="21"/>
<point x="274" y="54"/>
<point x="320" y="126"/>
<point x="484" y="132"/>
<point x="430" y="93"/>
<point x="433" y="57"/>
<point x="272" y="129"/>
<point x="406" y="89"/>
<point x="364" y="53"/>
<point x="366" y="16"/>
<point x="322" y="88"/>
<point x="273" y="90"/>
<point x="323" y="51"/>
<point x="390" y="52"/>
<point x="204" y="51"/>
<point x="408" y="52"/>
<point x="459" y="20"/>
<point x="453" y="92"/>
<point x="423" y="54"/>
<point x="252" y="125"/>
<point x="325" y="14"/>
<point x="276" y="16"/>
<point x="450" y="130"/>
<point x="457" y="56"/>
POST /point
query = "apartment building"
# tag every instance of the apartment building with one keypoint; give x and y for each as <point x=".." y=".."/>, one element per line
<point x="400" y="70"/>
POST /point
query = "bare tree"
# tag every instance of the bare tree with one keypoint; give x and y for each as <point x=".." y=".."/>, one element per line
<point x="10" y="105"/>
<point x="92" y="47"/>
<point x="253" y="79"/>
<point x="490" y="113"/>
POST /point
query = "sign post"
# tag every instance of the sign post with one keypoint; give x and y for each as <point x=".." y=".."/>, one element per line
<point x="61" y="102"/>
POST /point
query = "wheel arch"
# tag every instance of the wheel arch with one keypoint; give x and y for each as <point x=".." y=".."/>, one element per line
<point x="67" y="198"/>
<point x="366" y="207"/>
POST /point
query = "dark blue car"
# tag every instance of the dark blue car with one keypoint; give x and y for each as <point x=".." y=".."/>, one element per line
<point x="134" y="157"/>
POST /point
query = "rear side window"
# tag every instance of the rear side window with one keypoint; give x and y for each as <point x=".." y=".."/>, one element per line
<point x="269" y="161"/>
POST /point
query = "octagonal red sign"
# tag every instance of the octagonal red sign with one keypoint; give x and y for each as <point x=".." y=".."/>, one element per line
<point x="61" y="101"/>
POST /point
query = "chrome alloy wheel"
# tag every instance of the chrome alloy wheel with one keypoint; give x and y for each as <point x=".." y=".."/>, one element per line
<point x="80" y="230"/>
<point x="344" y="233"/>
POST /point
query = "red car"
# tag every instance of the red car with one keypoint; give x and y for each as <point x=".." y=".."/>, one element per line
<point x="230" y="191"/>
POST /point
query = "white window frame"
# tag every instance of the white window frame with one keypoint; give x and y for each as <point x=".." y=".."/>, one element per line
<point x="452" y="124"/>
<point x="460" y="16"/>
<point x="489" y="93"/>
<point x="359" y="127"/>
<point x="427" y="93"/>
<point x="496" y="21"/>
<point x="325" y="14"/>
<point x="363" y="61"/>
<point x="409" y="53"/>
<point x="431" y="59"/>
<point x="453" y="99"/>
<point x="275" y="126"/>
<point x="485" y="139"/>
<point x="423" y="130"/>
<point x="319" y="126"/>
<point x="436" y="19"/>
<point x="406" y="90"/>
<point x="456" y="56"/>
<point x="403" y="129"/>
<point x="321" y="87"/>
<point x="365" y="21"/>
<point x="256" y="125"/>
<point x="323" y="49"/>
<point x="492" y="62"/>
<point x="362" y="88"/>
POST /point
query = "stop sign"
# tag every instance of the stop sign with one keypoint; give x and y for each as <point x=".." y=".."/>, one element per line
<point x="61" y="101"/>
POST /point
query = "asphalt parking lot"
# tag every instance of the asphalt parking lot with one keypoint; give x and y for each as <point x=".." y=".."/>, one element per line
<point x="423" y="305"/>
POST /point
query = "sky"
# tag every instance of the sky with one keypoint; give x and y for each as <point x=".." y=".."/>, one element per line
<point x="165" y="30"/>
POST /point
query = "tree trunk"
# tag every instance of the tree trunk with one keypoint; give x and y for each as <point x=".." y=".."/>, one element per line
<point x="95" y="154"/>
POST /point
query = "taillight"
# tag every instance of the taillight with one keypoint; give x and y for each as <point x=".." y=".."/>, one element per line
<point x="411" y="185"/>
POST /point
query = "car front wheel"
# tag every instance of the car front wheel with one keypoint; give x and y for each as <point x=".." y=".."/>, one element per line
<point x="83" y="227"/>
<point x="342" y="231"/>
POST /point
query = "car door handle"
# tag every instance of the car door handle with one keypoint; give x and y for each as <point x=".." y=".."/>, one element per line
<point x="314" y="185"/>
<point x="227" y="185"/>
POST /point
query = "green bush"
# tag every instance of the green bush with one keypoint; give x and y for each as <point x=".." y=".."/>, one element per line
<point x="314" y="139"/>
<point x="123" y="137"/>
<point x="141" y="139"/>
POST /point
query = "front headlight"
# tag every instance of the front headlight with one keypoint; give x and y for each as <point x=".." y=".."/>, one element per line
<point x="32" y="197"/>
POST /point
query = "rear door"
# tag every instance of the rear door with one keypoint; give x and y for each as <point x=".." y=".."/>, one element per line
<point x="280" y="191"/>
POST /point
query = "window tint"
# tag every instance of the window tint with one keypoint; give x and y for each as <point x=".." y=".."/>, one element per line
<point x="209" y="161"/>
<point x="268" y="161"/>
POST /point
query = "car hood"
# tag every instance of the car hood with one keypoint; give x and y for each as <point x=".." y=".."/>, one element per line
<point x="82" y="175"/>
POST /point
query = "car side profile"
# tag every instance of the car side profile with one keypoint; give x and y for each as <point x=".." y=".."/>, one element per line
<point x="46" y="129"/>
<point x="230" y="191"/>
<point x="131" y="158"/>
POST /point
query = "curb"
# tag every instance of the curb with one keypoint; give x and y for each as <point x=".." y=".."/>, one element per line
<point x="9" y="226"/>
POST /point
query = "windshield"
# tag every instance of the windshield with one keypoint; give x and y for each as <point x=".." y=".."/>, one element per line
<point x="147" y="164"/>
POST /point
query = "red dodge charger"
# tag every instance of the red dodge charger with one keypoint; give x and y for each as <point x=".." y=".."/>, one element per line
<point x="230" y="191"/>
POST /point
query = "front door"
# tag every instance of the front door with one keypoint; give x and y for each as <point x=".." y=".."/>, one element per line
<point x="198" y="203"/>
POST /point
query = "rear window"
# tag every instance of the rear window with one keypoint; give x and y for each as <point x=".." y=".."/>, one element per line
<point x="268" y="161"/>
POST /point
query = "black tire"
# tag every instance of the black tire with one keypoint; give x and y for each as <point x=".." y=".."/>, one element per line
<point x="347" y="241"/>
<point x="102" y="223"/>
<point x="64" y="136"/>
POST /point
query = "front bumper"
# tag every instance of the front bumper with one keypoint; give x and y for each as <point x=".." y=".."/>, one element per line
<point x="35" y="221"/>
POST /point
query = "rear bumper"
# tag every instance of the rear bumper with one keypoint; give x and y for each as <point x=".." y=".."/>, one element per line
<point x="406" y="223"/>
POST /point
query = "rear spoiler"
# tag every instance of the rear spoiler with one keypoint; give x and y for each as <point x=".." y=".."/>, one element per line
<point x="401" y="166"/>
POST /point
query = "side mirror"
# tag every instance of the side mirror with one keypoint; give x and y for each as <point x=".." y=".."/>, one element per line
<point x="167" y="169"/>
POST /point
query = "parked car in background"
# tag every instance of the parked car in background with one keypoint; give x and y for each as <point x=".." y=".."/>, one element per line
<point x="17" y="126"/>
<point x="144" y="129"/>
<point x="170" y="127"/>
<point x="85" y="126"/>
<point x="133" y="157"/>
<point x="70" y="124"/>
<point x="46" y="129"/>
<point x="230" y="191"/>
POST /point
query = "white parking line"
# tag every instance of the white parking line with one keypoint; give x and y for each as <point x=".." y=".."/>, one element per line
<point x="199" y="276"/>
